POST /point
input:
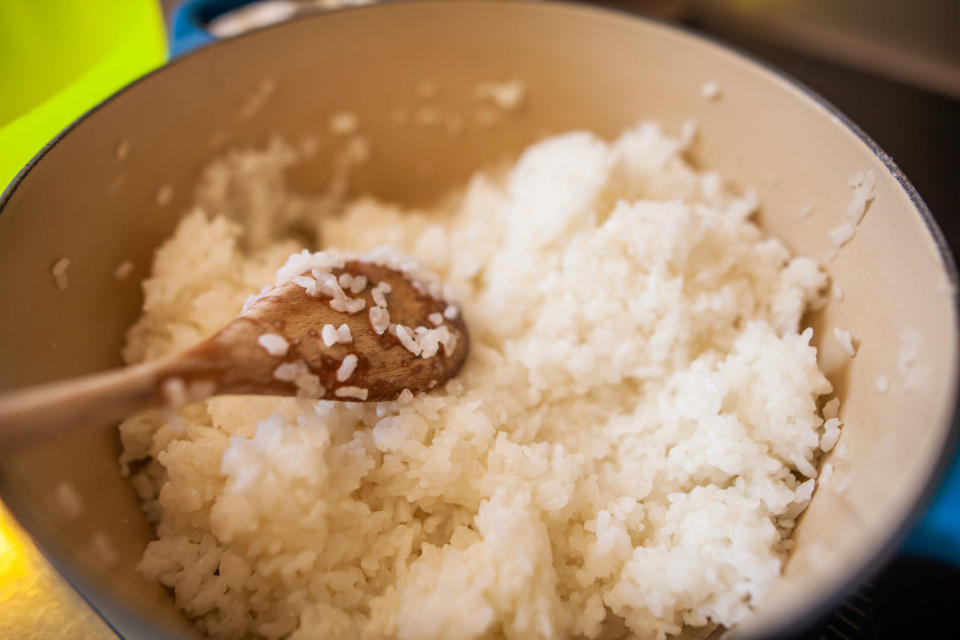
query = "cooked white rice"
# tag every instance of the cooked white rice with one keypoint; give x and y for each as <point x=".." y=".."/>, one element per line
<point x="624" y="451"/>
<point x="845" y="338"/>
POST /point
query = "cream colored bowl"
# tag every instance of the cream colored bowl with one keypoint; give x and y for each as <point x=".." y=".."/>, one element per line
<point x="583" y="68"/>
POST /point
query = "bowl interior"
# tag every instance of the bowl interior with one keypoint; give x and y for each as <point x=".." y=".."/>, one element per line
<point x="582" y="68"/>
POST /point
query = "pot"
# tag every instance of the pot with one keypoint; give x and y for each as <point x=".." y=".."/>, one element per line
<point x="582" y="68"/>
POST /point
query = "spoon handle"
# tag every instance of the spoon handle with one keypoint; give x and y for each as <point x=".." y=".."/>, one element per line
<point x="40" y="411"/>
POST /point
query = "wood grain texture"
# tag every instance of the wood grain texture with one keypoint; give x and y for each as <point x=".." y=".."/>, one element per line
<point x="233" y="362"/>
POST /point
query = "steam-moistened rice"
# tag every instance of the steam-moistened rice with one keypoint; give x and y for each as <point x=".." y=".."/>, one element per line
<point x="347" y="367"/>
<point x="379" y="319"/>
<point x="846" y="341"/>
<point x="882" y="383"/>
<point x="862" y="185"/>
<point x="831" y="408"/>
<point x="273" y="344"/>
<point x="625" y="452"/>
<point x="329" y="335"/>
<point x="347" y="392"/>
<point x="299" y="374"/>
<point x="831" y="433"/>
<point x="710" y="90"/>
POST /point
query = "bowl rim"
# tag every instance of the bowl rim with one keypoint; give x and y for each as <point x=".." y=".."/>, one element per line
<point x="801" y="618"/>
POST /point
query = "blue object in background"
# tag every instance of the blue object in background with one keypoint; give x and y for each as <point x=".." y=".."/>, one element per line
<point x="188" y="25"/>
<point x="935" y="536"/>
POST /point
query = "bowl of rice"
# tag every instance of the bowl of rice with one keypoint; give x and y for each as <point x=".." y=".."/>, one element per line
<point x="713" y="335"/>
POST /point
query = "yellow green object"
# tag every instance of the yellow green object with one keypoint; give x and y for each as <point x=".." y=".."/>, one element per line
<point x="59" y="58"/>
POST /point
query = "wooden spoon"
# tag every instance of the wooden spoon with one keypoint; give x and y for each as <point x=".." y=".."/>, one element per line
<point x="276" y="346"/>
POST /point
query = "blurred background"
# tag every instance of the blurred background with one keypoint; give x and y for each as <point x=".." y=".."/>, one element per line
<point x="891" y="66"/>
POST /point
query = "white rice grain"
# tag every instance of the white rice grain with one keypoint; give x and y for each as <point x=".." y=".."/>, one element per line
<point x="357" y="393"/>
<point x="329" y="335"/>
<point x="274" y="344"/>
<point x="407" y="340"/>
<point x="863" y="185"/>
<point x="803" y="466"/>
<point x="882" y="383"/>
<point x="358" y="284"/>
<point x="846" y="341"/>
<point x="299" y="374"/>
<point x="347" y="367"/>
<point x="710" y="90"/>
<point x="842" y="234"/>
<point x="379" y="320"/>
<point x="825" y="474"/>
<point x="831" y="433"/>
<point x="831" y="409"/>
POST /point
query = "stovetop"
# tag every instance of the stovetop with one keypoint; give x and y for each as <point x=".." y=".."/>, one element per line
<point x="910" y="598"/>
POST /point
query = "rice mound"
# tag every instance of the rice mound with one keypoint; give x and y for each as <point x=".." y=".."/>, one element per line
<point x="625" y="452"/>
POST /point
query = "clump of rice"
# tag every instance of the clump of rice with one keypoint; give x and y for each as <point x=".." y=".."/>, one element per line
<point x="626" y="448"/>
